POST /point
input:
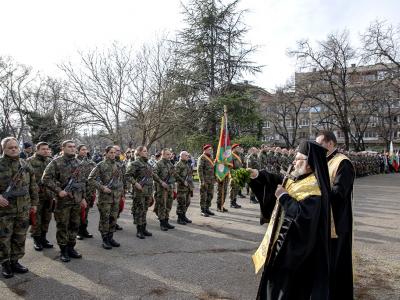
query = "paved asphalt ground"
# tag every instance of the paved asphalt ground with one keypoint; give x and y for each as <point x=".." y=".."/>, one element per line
<point x="209" y="259"/>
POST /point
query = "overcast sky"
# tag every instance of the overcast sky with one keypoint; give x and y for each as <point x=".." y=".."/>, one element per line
<point x="42" y="33"/>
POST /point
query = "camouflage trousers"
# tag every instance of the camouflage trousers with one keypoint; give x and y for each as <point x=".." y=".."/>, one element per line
<point x="164" y="199"/>
<point x="43" y="218"/>
<point x="140" y="205"/>
<point x="108" y="216"/>
<point x="206" y="195"/>
<point x="222" y="190"/>
<point x="183" y="199"/>
<point x="13" y="229"/>
<point x="68" y="219"/>
<point x="233" y="191"/>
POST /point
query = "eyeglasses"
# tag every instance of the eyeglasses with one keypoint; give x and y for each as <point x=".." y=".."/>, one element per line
<point x="296" y="159"/>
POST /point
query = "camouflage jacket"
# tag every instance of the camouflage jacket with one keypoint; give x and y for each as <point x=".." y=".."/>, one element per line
<point x="237" y="162"/>
<point x="25" y="193"/>
<point x="39" y="164"/>
<point x="139" y="171"/>
<point x="108" y="173"/>
<point x="184" y="172"/>
<point x="264" y="159"/>
<point x="205" y="169"/>
<point x="59" y="172"/>
<point x="253" y="162"/>
<point x="165" y="171"/>
<point x="86" y="167"/>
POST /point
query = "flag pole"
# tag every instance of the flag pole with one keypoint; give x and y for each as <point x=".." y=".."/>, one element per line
<point x="225" y="142"/>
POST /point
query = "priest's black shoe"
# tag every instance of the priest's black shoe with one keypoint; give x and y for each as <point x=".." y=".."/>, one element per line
<point x="113" y="242"/>
<point x="37" y="243"/>
<point x="118" y="227"/>
<point x="7" y="272"/>
<point x="45" y="243"/>
<point x="145" y="232"/>
<point x="73" y="253"/>
<point x="16" y="267"/>
<point x="210" y="212"/>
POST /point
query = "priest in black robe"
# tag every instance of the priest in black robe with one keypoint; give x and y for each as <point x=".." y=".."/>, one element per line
<point x="342" y="174"/>
<point x="298" y="267"/>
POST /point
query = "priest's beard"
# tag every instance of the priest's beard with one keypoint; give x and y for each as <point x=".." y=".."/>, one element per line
<point x="299" y="172"/>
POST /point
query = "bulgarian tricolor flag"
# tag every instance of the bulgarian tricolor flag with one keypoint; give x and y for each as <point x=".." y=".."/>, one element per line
<point x="393" y="158"/>
<point x="223" y="157"/>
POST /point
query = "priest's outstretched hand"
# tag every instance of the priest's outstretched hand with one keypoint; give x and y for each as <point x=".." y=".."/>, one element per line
<point x="280" y="190"/>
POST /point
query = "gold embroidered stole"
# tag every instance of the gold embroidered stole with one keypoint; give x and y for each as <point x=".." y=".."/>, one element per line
<point x="333" y="166"/>
<point x="298" y="190"/>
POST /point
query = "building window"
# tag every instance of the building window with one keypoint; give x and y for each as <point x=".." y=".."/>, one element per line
<point x="267" y="124"/>
<point x="304" y="122"/>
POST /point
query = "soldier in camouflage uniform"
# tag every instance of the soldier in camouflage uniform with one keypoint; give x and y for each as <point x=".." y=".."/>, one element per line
<point x="263" y="157"/>
<point x="236" y="164"/>
<point x="39" y="162"/>
<point x="140" y="174"/>
<point x="253" y="163"/>
<point x="205" y="170"/>
<point x="164" y="196"/>
<point x="63" y="177"/>
<point x="108" y="178"/>
<point x="184" y="177"/>
<point x="15" y="204"/>
<point x="87" y="166"/>
<point x="122" y="164"/>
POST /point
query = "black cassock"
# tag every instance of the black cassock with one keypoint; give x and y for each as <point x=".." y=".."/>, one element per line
<point x="299" y="265"/>
<point x="341" y="248"/>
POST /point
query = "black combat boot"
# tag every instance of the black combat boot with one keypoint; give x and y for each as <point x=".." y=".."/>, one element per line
<point x="118" y="227"/>
<point x="37" y="243"/>
<point x="163" y="225"/>
<point x="139" y="233"/>
<point x="64" y="257"/>
<point x="7" y="270"/>
<point x="145" y="232"/>
<point x="204" y="212"/>
<point x="180" y="220"/>
<point x="18" y="268"/>
<point x="210" y="212"/>
<point x="80" y="236"/>
<point x="72" y="252"/>
<point x="106" y="243"/>
<point x="169" y="226"/>
<point x="186" y="219"/>
<point x="86" y="233"/>
<point x="241" y="195"/>
<point x="111" y="240"/>
<point x="223" y="209"/>
<point x="234" y="204"/>
<point x="45" y="243"/>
